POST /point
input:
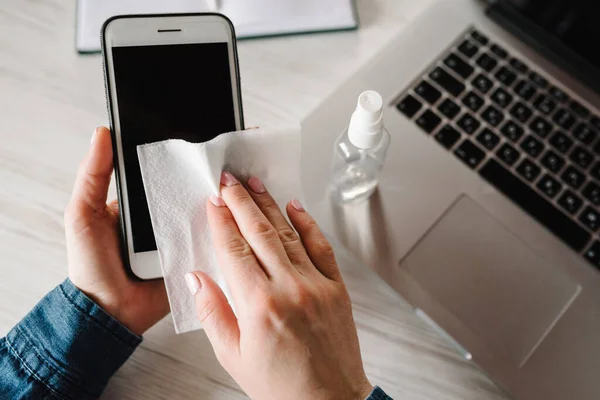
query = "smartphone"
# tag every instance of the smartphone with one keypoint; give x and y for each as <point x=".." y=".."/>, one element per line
<point x="167" y="77"/>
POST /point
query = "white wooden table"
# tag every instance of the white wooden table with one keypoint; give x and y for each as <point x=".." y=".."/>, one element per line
<point x="51" y="99"/>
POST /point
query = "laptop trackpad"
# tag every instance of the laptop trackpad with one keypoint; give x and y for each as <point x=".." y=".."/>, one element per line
<point x="491" y="281"/>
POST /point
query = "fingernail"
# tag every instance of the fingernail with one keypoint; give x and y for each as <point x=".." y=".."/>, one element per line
<point x="193" y="283"/>
<point x="297" y="206"/>
<point x="217" y="201"/>
<point x="256" y="185"/>
<point x="228" y="180"/>
<point x="94" y="136"/>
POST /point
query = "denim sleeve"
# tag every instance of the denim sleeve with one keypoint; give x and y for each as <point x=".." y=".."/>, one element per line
<point x="378" y="394"/>
<point x="67" y="347"/>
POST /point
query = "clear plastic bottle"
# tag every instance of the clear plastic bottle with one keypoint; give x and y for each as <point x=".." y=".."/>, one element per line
<point x="360" y="151"/>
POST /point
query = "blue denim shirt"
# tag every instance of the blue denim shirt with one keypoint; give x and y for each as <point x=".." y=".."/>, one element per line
<point x="68" y="347"/>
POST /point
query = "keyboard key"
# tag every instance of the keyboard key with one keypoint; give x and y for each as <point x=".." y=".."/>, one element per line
<point x="553" y="162"/>
<point x="506" y="76"/>
<point x="538" y="79"/>
<point x="521" y="112"/>
<point x="528" y="170"/>
<point x="590" y="218"/>
<point x="468" y="49"/>
<point x="544" y="104"/>
<point x="549" y="186"/>
<point x="447" y="136"/>
<point x="525" y="89"/>
<point x="427" y="92"/>
<point x="518" y="65"/>
<point x="409" y="106"/>
<point x="482" y="83"/>
<point x="558" y="94"/>
<point x="585" y="134"/>
<point x="486" y="62"/>
<point x="564" y="118"/>
<point x="561" y="142"/>
<point x="593" y="254"/>
<point x="592" y="193"/>
<point x="447" y="81"/>
<point x="512" y="131"/>
<point x="469" y="153"/>
<point x="499" y="51"/>
<point x="428" y="121"/>
<point x="541" y="127"/>
<point x="488" y="139"/>
<point x="492" y="116"/>
<point x="468" y="123"/>
<point x="534" y="204"/>
<point x="508" y="154"/>
<point x="595" y="122"/>
<point x="579" y="109"/>
<point x="478" y="36"/>
<point x="473" y="101"/>
<point x="449" y="108"/>
<point x="502" y="98"/>
<point x="582" y="157"/>
<point x="573" y="177"/>
<point x="595" y="171"/>
<point x="570" y="202"/>
<point x="459" y="66"/>
<point x="532" y="146"/>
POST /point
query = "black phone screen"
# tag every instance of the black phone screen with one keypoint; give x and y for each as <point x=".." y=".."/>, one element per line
<point x="168" y="92"/>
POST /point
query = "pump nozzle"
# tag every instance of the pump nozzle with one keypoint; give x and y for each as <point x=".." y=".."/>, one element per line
<point x="366" y="124"/>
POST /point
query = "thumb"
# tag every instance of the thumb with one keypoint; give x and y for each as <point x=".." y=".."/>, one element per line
<point x="215" y="314"/>
<point x="93" y="176"/>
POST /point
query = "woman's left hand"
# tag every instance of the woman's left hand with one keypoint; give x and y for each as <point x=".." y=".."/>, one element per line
<point x="96" y="265"/>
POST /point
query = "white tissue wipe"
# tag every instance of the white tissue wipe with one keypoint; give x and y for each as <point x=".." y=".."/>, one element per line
<point x="179" y="177"/>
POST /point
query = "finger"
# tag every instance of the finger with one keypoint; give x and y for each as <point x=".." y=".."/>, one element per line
<point x="254" y="226"/>
<point x="242" y="271"/>
<point x="215" y="315"/>
<point x="317" y="246"/>
<point x="290" y="240"/>
<point x="93" y="176"/>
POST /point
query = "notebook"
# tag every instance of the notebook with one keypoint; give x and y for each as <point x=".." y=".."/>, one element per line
<point x="251" y="18"/>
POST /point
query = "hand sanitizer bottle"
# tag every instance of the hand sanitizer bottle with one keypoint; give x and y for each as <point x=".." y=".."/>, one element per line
<point x="360" y="151"/>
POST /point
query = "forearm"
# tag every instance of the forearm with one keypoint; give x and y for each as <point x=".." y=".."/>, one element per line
<point x="66" y="347"/>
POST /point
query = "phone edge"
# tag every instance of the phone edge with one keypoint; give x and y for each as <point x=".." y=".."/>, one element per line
<point x="109" y="106"/>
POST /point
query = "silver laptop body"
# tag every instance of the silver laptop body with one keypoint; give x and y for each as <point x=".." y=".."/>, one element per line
<point x="519" y="300"/>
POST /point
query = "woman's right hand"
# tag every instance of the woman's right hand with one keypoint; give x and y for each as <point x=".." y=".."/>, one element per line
<point x="294" y="336"/>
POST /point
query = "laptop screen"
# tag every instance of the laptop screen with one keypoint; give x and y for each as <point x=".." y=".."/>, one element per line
<point x="566" y="30"/>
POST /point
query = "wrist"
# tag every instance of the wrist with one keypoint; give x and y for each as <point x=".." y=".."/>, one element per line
<point x="110" y="306"/>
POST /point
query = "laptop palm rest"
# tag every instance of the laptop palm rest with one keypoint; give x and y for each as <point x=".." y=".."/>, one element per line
<point x="489" y="282"/>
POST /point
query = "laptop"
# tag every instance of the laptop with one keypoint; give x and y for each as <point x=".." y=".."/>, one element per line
<point x="487" y="216"/>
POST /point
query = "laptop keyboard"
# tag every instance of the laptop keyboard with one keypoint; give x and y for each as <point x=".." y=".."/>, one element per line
<point x="523" y="135"/>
